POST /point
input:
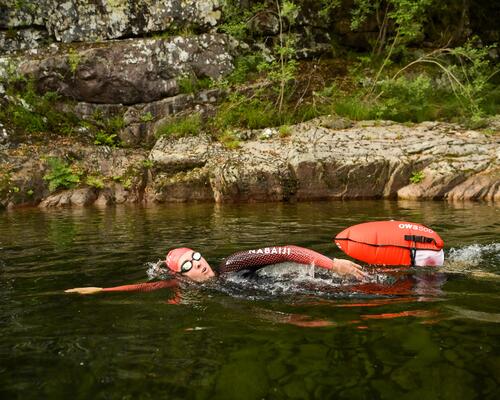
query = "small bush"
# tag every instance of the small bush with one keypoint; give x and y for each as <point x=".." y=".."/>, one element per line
<point x="95" y="181"/>
<point x="74" y="60"/>
<point x="246" y="68"/>
<point x="61" y="175"/>
<point x="108" y="129"/>
<point x="179" y="127"/>
<point x="405" y="99"/>
<point x="104" y="139"/>
<point x="29" y="112"/>
<point x="417" y="177"/>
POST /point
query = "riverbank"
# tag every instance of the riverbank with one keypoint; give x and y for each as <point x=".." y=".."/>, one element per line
<point x="246" y="102"/>
<point x="325" y="158"/>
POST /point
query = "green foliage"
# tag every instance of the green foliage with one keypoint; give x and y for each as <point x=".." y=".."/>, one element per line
<point x="108" y="130"/>
<point x="465" y="78"/>
<point x="283" y="70"/>
<point x="124" y="180"/>
<point x="148" y="164"/>
<point x="360" y="12"/>
<point x="179" y="127"/>
<point x="25" y="5"/>
<point x="405" y="99"/>
<point x="237" y="18"/>
<point x="104" y="139"/>
<point x="417" y="177"/>
<point x="289" y="10"/>
<point x="61" y="175"/>
<point x="5" y="181"/>
<point x="229" y="139"/>
<point x="285" y="131"/>
<point x="246" y="67"/>
<point x="114" y="124"/>
<point x="399" y="21"/>
<point x="74" y="59"/>
<point x="328" y="6"/>
<point x="27" y="111"/>
<point x="190" y="84"/>
<point x="147" y="117"/>
<point x="95" y="181"/>
<point x="257" y="112"/>
<point x="240" y="111"/>
<point x="456" y="85"/>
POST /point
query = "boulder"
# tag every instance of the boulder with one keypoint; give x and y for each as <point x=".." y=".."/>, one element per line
<point x="74" y="197"/>
<point x="130" y="71"/>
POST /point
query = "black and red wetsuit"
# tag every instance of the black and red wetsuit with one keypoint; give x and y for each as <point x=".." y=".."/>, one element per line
<point x="246" y="260"/>
<point x="256" y="259"/>
<point x="253" y="260"/>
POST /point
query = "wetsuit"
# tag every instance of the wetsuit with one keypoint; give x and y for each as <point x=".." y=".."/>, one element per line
<point x="245" y="260"/>
<point x="253" y="260"/>
<point x="256" y="259"/>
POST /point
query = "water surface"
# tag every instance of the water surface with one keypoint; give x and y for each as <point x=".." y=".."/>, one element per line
<point x="423" y="334"/>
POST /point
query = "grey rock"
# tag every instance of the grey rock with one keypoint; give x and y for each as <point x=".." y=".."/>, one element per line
<point x="130" y="71"/>
<point x="80" y="20"/>
<point x="313" y="163"/>
<point x="180" y="155"/>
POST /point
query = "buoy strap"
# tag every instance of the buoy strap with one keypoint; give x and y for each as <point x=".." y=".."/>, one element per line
<point x="420" y="239"/>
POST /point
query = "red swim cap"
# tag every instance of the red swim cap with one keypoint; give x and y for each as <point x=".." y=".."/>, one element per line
<point x="173" y="256"/>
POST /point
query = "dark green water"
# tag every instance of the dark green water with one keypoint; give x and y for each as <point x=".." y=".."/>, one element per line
<point x="439" y="339"/>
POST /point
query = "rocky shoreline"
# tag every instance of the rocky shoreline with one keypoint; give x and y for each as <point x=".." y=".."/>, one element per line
<point x="140" y="65"/>
<point x="323" y="159"/>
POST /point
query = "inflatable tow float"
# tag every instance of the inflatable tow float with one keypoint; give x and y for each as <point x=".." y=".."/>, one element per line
<point x="389" y="242"/>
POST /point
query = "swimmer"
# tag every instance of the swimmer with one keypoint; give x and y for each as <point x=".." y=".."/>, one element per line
<point x="190" y="264"/>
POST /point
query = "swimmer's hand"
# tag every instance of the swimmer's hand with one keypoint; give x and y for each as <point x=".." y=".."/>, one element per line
<point x="84" y="290"/>
<point x="348" y="268"/>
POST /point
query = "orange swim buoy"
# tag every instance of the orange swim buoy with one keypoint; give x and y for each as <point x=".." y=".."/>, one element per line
<point x="388" y="242"/>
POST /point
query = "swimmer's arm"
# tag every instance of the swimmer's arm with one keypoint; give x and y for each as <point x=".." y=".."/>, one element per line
<point x="137" y="287"/>
<point x="255" y="259"/>
<point x="337" y="265"/>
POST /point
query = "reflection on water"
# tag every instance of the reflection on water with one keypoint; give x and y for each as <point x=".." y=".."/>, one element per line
<point x="282" y="333"/>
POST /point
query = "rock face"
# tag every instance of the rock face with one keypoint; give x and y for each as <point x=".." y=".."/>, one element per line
<point x="130" y="71"/>
<point x="316" y="163"/>
<point x="32" y="23"/>
<point x="125" y="60"/>
<point x="366" y="160"/>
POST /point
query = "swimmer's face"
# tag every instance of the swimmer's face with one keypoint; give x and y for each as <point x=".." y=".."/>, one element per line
<point x="199" y="271"/>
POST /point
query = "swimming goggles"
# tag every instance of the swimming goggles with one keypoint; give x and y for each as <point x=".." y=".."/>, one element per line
<point x="188" y="264"/>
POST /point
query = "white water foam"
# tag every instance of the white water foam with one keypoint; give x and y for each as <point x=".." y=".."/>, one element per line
<point x="289" y="279"/>
<point x="157" y="270"/>
<point x="469" y="258"/>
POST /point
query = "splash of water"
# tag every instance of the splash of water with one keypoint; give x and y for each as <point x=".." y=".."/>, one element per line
<point x="289" y="279"/>
<point x="473" y="258"/>
<point x="157" y="270"/>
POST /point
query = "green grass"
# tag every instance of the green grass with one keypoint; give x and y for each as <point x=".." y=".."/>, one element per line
<point x="229" y="140"/>
<point x="189" y="84"/>
<point x="179" y="127"/>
